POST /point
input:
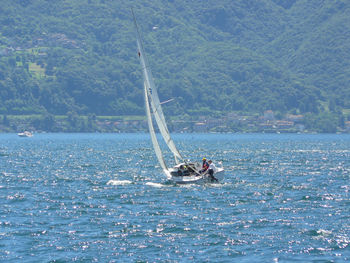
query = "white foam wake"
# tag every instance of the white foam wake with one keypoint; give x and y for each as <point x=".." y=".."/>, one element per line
<point x="118" y="182"/>
<point x="155" y="184"/>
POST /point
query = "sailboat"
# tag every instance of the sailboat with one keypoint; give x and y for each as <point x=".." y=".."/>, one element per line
<point x="25" y="134"/>
<point x="184" y="172"/>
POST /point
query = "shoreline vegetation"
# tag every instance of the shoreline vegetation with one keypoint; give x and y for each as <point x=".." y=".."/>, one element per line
<point x="267" y="122"/>
<point x="64" y="64"/>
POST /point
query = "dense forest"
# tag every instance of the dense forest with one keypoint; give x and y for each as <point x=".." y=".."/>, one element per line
<point x="70" y="58"/>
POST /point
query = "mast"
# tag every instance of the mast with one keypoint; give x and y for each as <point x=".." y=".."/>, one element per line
<point x="152" y="96"/>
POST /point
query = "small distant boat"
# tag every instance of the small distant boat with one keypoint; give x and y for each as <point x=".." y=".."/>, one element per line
<point x="25" y="134"/>
<point x="154" y="111"/>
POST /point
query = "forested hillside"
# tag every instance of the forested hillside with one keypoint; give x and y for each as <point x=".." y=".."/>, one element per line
<point x="64" y="56"/>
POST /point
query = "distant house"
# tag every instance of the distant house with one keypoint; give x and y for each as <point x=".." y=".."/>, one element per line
<point x="295" y="118"/>
<point x="123" y="125"/>
<point x="200" y="127"/>
<point x="284" y="124"/>
<point x="180" y="125"/>
<point x="232" y="117"/>
<point x="62" y="39"/>
<point x="212" y="123"/>
<point x="266" y="126"/>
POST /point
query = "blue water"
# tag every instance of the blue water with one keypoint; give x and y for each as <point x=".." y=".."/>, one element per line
<point x="102" y="197"/>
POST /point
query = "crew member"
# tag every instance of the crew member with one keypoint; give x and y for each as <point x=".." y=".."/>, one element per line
<point x="181" y="171"/>
<point x="211" y="170"/>
<point x="205" y="165"/>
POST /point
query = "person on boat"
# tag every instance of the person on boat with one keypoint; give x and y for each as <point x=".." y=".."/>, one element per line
<point x="181" y="171"/>
<point x="211" y="171"/>
<point x="186" y="171"/>
<point x="191" y="170"/>
<point x="205" y="165"/>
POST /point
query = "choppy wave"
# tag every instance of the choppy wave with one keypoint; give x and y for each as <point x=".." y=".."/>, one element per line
<point x="157" y="185"/>
<point x="103" y="197"/>
<point x="119" y="182"/>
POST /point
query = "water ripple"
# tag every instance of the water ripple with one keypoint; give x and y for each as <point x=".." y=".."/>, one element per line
<point x="99" y="197"/>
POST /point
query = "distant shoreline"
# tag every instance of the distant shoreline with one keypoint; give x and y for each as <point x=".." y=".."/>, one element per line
<point x="227" y="123"/>
<point x="184" y="133"/>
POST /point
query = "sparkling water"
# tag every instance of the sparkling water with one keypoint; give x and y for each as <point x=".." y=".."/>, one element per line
<point x="103" y="198"/>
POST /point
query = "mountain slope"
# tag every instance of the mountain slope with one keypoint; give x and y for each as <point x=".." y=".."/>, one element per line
<point x="69" y="56"/>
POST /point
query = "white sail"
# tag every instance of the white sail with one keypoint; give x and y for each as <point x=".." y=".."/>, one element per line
<point x="154" y="111"/>
<point x="154" y="99"/>
<point x="153" y="134"/>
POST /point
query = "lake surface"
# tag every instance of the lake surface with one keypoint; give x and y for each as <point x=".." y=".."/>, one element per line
<point x="103" y="197"/>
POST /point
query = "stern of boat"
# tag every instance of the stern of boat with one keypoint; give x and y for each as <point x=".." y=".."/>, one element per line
<point x="194" y="178"/>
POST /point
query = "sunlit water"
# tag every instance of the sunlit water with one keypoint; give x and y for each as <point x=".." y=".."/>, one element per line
<point x="103" y="197"/>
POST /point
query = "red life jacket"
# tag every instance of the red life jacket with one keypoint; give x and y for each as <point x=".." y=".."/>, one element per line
<point x="205" y="165"/>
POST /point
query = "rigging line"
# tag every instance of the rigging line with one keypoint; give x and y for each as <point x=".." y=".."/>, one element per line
<point x="164" y="125"/>
<point x="156" y="108"/>
<point x="170" y="140"/>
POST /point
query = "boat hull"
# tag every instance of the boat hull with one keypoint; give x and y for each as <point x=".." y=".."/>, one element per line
<point x="25" y="134"/>
<point x="198" y="179"/>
